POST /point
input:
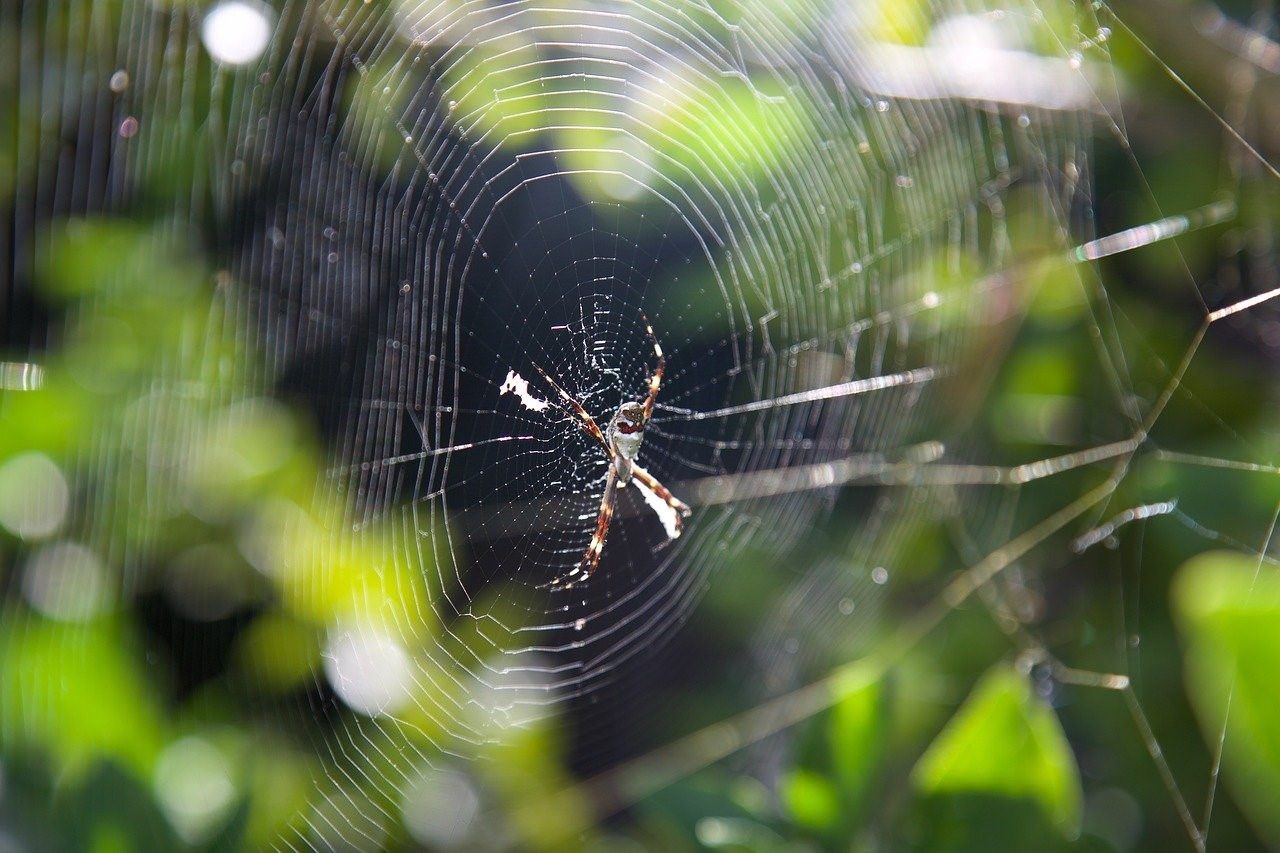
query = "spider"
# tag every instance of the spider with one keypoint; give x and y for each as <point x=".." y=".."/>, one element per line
<point x="621" y="443"/>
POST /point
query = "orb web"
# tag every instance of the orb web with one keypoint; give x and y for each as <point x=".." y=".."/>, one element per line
<point x="425" y="216"/>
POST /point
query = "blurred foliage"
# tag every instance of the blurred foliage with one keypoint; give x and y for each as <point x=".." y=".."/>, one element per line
<point x="109" y="741"/>
<point x="1229" y="607"/>
<point x="1003" y="743"/>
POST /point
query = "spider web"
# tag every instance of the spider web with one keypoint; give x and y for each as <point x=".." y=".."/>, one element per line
<point x="838" y="231"/>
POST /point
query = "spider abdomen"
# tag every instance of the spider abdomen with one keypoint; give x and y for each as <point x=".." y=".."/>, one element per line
<point x="625" y="447"/>
<point x="626" y="434"/>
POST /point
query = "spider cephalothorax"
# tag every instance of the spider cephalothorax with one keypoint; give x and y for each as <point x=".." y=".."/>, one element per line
<point x="621" y="446"/>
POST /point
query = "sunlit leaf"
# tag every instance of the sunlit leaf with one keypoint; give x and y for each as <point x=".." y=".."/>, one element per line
<point x="689" y="138"/>
<point x="811" y="800"/>
<point x="1004" y="742"/>
<point x="857" y="732"/>
<point x="1228" y="607"/>
<point x="79" y="692"/>
<point x="900" y="22"/>
<point x="326" y="576"/>
<point x="494" y="89"/>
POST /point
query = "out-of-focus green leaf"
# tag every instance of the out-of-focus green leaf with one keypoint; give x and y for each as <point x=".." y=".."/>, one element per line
<point x="48" y="420"/>
<point x="1005" y="743"/>
<point x="897" y="21"/>
<point x="78" y="691"/>
<point x="978" y="822"/>
<point x="1056" y="295"/>
<point x="376" y="102"/>
<point x="811" y="800"/>
<point x="1229" y="611"/>
<point x="1043" y="371"/>
<point x="247" y="450"/>
<point x="112" y="810"/>
<point x="495" y="89"/>
<point x="326" y="577"/>
<point x="691" y="138"/>
<point x="277" y="652"/>
<point x="1039" y="401"/>
<point x="545" y="808"/>
<point x="856" y="732"/>
<point x="280" y="782"/>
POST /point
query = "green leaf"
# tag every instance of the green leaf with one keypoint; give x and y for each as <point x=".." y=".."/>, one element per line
<point x="811" y="800"/>
<point x="980" y="823"/>
<point x="1004" y="742"/>
<point x="79" y="691"/>
<point x="1228" y="609"/>
<point x="856" y="732"/>
<point x="112" y="810"/>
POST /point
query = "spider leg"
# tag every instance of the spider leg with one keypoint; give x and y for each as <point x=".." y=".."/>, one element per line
<point x="573" y="408"/>
<point x="676" y="509"/>
<point x="591" y="558"/>
<point x="655" y="378"/>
